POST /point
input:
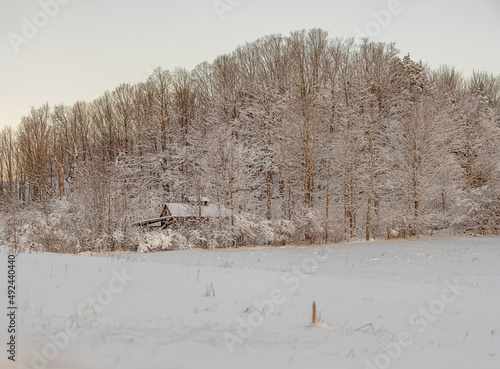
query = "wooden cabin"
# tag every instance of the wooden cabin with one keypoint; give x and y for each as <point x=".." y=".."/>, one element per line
<point x="174" y="214"/>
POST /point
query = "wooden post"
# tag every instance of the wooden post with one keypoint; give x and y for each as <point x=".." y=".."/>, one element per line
<point x="314" y="313"/>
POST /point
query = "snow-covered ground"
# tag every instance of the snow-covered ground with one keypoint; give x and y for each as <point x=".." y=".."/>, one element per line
<point x="415" y="304"/>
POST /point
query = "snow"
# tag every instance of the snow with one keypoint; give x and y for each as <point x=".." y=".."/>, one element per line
<point x="251" y="307"/>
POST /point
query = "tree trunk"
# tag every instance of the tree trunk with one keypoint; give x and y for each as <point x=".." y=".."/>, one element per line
<point x="269" y="193"/>
<point x="327" y="205"/>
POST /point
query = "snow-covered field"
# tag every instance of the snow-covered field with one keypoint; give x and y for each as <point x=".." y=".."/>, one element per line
<point x="415" y="304"/>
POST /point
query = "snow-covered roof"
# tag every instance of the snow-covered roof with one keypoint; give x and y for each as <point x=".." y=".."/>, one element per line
<point x="187" y="210"/>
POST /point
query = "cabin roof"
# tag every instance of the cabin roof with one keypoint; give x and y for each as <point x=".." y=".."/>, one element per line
<point x="186" y="210"/>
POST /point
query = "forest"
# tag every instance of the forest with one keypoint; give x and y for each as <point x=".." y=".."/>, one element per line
<point x="302" y="139"/>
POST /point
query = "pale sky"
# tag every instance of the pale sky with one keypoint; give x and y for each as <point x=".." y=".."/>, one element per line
<point x="89" y="46"/>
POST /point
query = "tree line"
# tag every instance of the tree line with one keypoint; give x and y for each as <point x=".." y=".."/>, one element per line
<point x="298" y="138"/>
